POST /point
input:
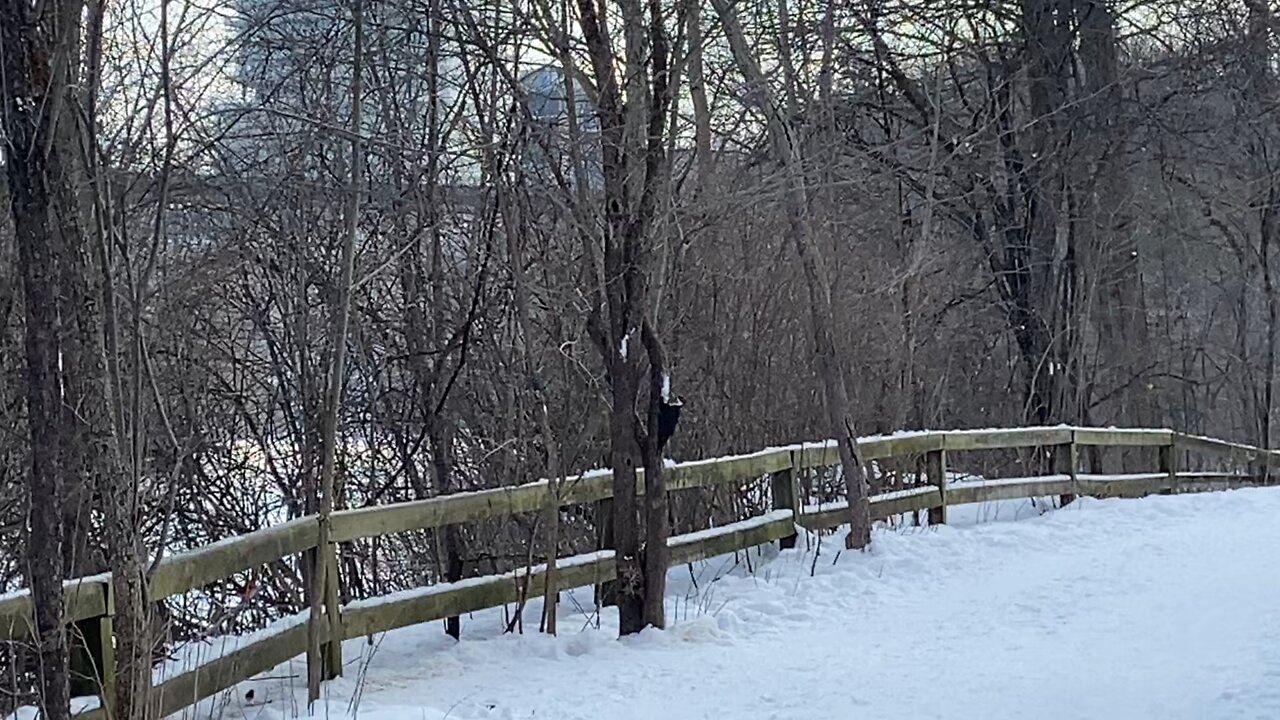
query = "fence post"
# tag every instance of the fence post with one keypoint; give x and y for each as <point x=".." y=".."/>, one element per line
<point x="93" y="655"/>
<point x="1169" y="466"/>
<point x="1066" y="461"/>
<point x="935" y="471"/>
<point x="786" y="496"/>
<point x="331" y="652"/>
<point x="1266" y="468"/>
<point x="324" y="638"/>
<point x="607" y="591"/>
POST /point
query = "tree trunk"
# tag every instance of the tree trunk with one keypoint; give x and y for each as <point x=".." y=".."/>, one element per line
<point x="325" y="583"/>
<point x="38" y="174"/>
<point x="831" y="369"/>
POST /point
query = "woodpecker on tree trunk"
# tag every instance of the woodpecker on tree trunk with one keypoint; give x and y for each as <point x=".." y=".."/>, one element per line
<point x="668" y="418"/>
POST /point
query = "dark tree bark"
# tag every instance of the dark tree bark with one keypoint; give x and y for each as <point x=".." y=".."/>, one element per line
<point x="32" y="64"/>
<point x="634" y="164"/>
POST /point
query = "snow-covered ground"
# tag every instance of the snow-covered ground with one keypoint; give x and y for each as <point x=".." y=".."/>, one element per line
<point x="1166" y="607"/>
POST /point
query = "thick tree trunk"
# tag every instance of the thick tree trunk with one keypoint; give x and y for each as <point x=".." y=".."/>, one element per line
<point x="46" y="496"/>
<point x="38" y="173"/>
<point x="635" y="167"/>
<point x="626" y="527"/>
<point x="657" y="518"/>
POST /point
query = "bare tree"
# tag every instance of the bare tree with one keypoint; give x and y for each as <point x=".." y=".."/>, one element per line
<point x="787" y="153"/>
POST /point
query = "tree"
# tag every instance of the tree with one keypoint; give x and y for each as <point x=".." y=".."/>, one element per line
<point x="38" y="62"/>
<point x="783" y="138"/>
<point x="632" y="103"/>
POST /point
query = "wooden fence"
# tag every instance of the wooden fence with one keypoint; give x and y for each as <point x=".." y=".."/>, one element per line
<point x="90" y="607"/>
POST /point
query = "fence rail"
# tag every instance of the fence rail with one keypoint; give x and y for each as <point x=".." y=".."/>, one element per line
<point x="90" y="607"/>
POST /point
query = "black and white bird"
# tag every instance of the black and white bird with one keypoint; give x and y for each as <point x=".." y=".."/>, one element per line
<point x="668" y="418"/>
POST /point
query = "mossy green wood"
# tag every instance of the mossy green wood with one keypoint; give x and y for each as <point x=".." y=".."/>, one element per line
<point x="1114" y="437"/>
<point x="1221" y="448"/>
<point x="83" y="598"/>
<point x="186" y="571"/>
<point x="1006" y="439"/>
<point x="689" y="549"/>
<point x="882" y="506"/>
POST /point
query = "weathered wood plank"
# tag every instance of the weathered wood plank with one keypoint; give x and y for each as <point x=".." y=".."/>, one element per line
<point x="1124" y="486"/>
<point x="214" y="676"/>
<point x="737" y="536"/>
<point x="1136" y="485"/>
<point x="725" y="470"/>
<point x="878" y="448"/>
<point x="1120" y="437"/>
<point x="1222" y="448"/>
<point x="84" y="598"/>
<point x="784" y="494"/>
<point x="935" y="468"/>
<point x="1211" y="475"/>
<point x="991" y="491"/>
<point x="999" y="439"/>
<point x="195" y="568"/>
<point x="882" y="506"/>
<point x="498" y="502"/>
<point x="435" y="603"/>
<point x="463" y="507"/>
<point x="810" y="457"/>
<point x="1204" y="483"/>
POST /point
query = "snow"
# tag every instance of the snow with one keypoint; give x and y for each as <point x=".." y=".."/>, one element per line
<point x="1017" y="481"/>
<point x="67" y="585"/>
<point x="78" y="705"/>
<point x="1160" y="607"/>
<point x="1122" y="477"/>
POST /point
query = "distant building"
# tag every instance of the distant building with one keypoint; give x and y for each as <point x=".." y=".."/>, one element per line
<point x="550" y="138"/>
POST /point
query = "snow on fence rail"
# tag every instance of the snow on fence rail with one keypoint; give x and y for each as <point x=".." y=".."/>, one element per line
<point x="89" y="604"/>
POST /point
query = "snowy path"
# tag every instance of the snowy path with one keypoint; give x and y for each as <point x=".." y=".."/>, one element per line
<point x="1167" y="607"/>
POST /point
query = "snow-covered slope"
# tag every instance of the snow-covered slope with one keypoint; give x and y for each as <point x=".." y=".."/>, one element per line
<point x="1166" y="607"/>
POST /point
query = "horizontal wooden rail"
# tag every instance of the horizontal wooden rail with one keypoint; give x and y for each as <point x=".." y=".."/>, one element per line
<point x="227" y="669"/>
<point x="1006" y="439"/>
<point x="186" y="571"/>
<point x="1116" y="437"/>
<point x="269" y="648"/>
<point x="882" y="506"/>
<point x="84" y="598"/>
